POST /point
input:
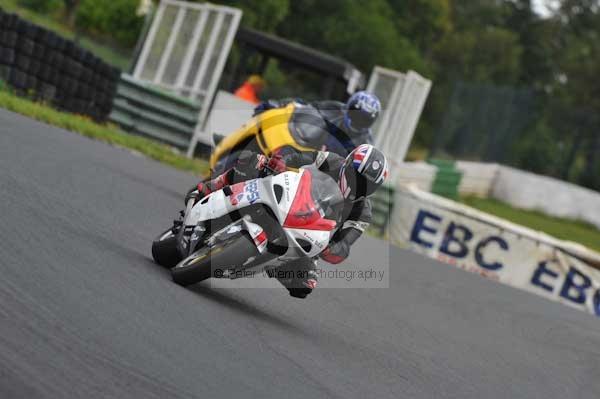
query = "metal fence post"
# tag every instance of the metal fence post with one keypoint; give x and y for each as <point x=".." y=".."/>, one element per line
<point x="166" y="55"/>
<point x="191" y="51"/>
<point x="210" y="92"/>
<point x="139" y="67"/>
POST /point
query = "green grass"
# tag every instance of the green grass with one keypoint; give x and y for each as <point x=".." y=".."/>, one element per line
<point x="566" y="229"/>
<point x="109" y="53"/>
<point x="106" y="133"/>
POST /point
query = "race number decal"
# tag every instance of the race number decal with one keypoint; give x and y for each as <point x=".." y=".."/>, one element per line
<point x="248" y="190"/>
<point x="237" y="193"/>
<point x="251" y="190"/>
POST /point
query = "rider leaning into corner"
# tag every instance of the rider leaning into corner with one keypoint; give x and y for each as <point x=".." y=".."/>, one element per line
<point x="348" y="124"/>
<point x="358" y="175"/>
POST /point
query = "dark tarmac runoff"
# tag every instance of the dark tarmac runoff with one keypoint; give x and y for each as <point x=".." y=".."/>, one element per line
<point x="85" y="313"/>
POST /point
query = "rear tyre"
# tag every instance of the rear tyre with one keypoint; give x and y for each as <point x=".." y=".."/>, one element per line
<point x="164" y="250"/>
<point x="210" y="262"/>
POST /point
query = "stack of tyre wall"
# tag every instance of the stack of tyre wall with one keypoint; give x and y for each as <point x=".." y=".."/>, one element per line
<point x="38" y="63"/>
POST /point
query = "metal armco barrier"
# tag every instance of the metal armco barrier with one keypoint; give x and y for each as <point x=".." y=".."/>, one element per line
<point x="143" y="109"/>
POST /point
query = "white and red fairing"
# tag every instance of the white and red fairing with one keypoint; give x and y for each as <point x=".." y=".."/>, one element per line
<point x="298" y="213"/>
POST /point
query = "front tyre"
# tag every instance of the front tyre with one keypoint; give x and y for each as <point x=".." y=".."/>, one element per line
<point x="164" y="250"/>
<point x="211" y="262"/>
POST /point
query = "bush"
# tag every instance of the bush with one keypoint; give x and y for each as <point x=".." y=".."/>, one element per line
<point x="41" y="6"/>
<point x="115" y="18"/>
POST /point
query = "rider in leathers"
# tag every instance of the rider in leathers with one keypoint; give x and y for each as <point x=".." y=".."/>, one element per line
<point x="300" y="276"/>
<point x="349" y="124"/>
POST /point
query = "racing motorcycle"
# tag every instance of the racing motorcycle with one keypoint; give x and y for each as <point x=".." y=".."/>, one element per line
<point x="252" y="226"/>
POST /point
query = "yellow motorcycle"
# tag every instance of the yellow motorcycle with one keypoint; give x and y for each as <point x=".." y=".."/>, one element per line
<point x="299" y="127"/>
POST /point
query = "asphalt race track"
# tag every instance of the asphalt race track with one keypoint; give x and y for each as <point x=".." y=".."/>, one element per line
<point x="84" y="312"/>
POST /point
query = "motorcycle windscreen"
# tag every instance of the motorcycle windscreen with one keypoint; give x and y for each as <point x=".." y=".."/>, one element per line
<point x="318" y="202"/>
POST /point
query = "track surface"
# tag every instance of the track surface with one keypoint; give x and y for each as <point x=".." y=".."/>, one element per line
<point x="84" y="313"/>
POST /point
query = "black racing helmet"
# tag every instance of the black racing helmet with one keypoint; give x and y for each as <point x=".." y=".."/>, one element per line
<point x="364" y="171"/>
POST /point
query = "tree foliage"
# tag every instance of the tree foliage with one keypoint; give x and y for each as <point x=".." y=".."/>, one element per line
<point x="116" y="18"/>
<point x="264" y="15"/>
<point x="358" y="31"/>
<point x="492" y="55"/>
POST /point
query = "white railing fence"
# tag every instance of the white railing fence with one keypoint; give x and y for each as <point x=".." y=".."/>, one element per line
<point x="185" y="52"/>
<point x="403" y="96"/>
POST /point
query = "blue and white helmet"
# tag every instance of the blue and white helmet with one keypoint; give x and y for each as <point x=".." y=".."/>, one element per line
<point x="362" y="110"/>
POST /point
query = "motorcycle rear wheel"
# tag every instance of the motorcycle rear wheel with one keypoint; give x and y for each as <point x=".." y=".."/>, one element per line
<point x="211" y="262"/>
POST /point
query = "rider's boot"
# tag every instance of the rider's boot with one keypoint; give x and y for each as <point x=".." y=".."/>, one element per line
<point x="299" y="277"/>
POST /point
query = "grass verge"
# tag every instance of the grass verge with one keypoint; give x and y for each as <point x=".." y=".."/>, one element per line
<point x="566" y="229"/>
<point x="106" y="133"/>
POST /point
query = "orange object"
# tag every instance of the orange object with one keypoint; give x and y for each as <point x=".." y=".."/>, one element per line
<point x="250" y="89"/>
<point x="248" y="93"/>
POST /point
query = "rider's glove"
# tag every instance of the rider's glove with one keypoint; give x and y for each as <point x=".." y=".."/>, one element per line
<point x="274" y="164"/>
<point x="336" y="252"/>
<point x="198" y="192"/>
<point x="261" y="161"/>
<point x="277" y="164"/>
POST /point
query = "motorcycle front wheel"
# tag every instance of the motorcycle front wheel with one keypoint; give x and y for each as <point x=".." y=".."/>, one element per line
<point x="212" y="261"/>
<point x="164" y="249"/>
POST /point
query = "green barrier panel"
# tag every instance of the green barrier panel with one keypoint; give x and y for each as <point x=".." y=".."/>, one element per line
<point x="447" y="178"/>
<point x="442" y="163"/>
<point x="143" y="109"/>
<point x="382" y="203"/>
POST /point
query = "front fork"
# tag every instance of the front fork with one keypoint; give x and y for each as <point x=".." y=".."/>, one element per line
<point x="185" y="244"/>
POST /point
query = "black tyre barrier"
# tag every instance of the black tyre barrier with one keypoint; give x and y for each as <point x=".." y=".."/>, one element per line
<point x="39" y="63"/>
<point x="9" y="38"/>
<point x="34" y="68"/>
<point x="4" y="72"/>
<point x="26" y="46"/>
<point x="9" y="21"/>
<point x="55" y="58"/>
<point x="39" y="51"/>
<point x="89" y="60"/>
<point x="67" y="86"/>
<point x="46" y="73"/>
<point x="23" y="62"/>
<point x="22" y="27"/>
<point x="7" y="56"/>
<point x="49" y="39"/>
<point x="86" y="76"/>
<point x="61" y="44"/>
<point x="69" y="44"/>
<point x="83" y="91"/>
<point x="75" y="69"/>
<point x="97" y="81"/>
<point x="31" y="82"/>
<point x="17" y="79"/>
